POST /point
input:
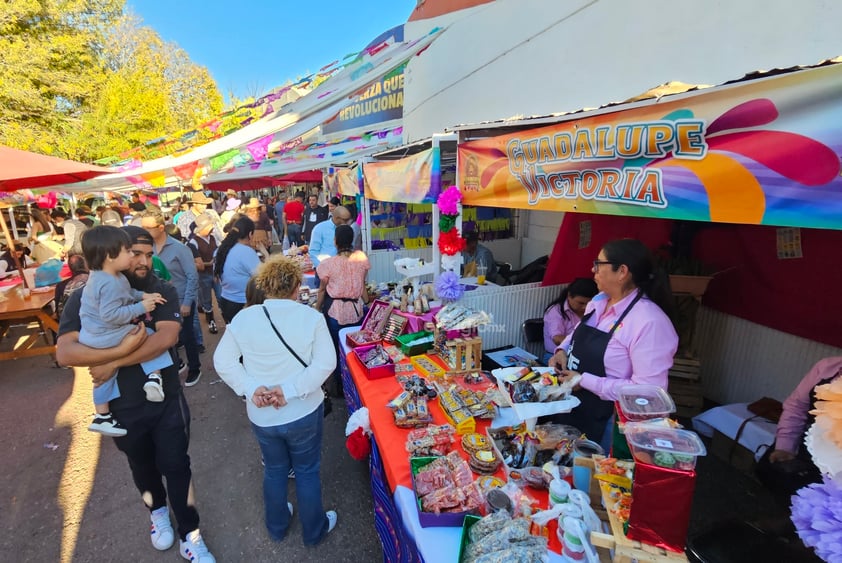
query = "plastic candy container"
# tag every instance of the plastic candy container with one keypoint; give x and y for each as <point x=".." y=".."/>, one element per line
<point x="665" y="447"/>
<point x="643" y="402"/>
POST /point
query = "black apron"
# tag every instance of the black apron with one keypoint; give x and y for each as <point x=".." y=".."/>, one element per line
<point x="587" y="354"/>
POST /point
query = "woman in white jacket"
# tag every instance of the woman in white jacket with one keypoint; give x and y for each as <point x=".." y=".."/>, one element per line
<point x="287" y="354"/>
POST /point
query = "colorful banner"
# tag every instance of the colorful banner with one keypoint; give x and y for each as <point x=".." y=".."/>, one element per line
<point x="381" y="101"/>
<point x="759" y="152"/>
<point x="347" y="181"/>
<point x="407" y="180"/>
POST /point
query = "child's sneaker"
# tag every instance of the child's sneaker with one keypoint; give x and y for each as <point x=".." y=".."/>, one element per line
<point x="162" y="534"/>
<point x="194" y="549"/>
<point x="331" y="520"/>
<point x="153" y="388"/>
<point x="107" y="425"/>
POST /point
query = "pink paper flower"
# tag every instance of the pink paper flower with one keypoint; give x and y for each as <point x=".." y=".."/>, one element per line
<point x="448" y="201"/>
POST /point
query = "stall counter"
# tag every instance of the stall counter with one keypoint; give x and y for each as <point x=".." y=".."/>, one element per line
<point x="393" y="475"/>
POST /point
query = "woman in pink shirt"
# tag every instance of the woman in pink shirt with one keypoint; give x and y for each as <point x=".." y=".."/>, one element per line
<point x="342" y="291"/>
<point x="563" y="314"/>
<point x="626" y="335"/>
<point x="787" y="466"/>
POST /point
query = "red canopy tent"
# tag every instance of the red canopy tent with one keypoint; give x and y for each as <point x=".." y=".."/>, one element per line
<point x="306" y="177"/>
<point x="21" y="169"/>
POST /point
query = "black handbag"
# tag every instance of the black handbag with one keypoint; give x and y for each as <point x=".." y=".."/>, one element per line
<point x="328" y="406"/>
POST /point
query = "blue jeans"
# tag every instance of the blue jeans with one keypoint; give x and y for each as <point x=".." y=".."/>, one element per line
<point x="294" y="234"/>
<point x="109" y="390"/>
<point x="296" y="445"/>
<point x="187" y="336"/>
<point x="207" y="285"/>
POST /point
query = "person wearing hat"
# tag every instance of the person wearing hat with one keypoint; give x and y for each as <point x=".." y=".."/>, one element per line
<point x="198" y="204"/>
<point x="203" y="242"/>
<point x="476" y="254"/>
<point x="262" y="237"/>
<point x="158" y="434"/>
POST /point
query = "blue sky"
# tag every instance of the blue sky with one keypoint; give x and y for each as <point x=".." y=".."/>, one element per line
<point x="250" y="47"/>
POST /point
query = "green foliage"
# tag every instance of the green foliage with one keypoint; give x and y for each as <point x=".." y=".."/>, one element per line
<point x="81" y="79"/>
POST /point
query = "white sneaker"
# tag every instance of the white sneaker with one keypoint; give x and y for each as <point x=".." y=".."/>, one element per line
<point x="331" y="520"/>
<point x="107" y="425"/>
<point x="194" y="548"/>
<point x="161" y="533"/>
<point x="153" y="388"/>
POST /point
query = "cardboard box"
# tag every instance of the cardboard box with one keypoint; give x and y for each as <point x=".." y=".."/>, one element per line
<point x="431" y="519"/>
<point x="378" y="372"/>
<point x="732" y="453"/>
<point x="380" y="323"/>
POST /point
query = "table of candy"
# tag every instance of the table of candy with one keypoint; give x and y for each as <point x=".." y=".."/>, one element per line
<point x="435" y="459"/>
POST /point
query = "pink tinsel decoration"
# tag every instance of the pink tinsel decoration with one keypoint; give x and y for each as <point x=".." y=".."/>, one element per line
<point x="448" y="201"/>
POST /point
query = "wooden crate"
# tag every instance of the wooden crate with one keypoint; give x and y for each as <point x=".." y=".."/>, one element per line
<point x="687" y="395"/>
<point x="685" y="368"/>
<point x="626" y="550"/>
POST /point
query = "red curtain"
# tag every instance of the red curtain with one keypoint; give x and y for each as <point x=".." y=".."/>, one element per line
<point x="797" y="296"/>
<point x="568" y="261"/>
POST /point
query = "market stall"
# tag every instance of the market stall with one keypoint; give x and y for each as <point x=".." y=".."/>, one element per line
<point x="722" y="168"/>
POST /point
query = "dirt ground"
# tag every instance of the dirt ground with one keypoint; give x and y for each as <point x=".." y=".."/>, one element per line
<point x="68" y="495"/>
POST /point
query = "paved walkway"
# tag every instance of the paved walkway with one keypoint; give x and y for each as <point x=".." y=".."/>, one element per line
<point x="68" y="496"/>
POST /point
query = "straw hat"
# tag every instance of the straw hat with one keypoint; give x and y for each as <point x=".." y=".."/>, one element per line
<point x="203" y="221"/>
<point x="230" y="193"/>
<point x="233" y="204"/>
<point x="253" y="203"/>
<point x="200" y="198"/>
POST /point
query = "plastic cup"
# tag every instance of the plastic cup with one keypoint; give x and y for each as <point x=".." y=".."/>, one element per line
<point x="581" y="473"/>
<point x="481" y="272"/>
<point x="559" y="489"/>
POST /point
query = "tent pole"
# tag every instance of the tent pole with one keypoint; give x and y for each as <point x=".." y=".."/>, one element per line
<point x="11" y="242"/>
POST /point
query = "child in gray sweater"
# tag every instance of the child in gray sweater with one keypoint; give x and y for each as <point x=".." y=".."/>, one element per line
<point x="109" y="311"/>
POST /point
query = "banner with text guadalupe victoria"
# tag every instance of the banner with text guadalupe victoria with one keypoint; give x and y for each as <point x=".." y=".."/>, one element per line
<point x="763" y="152"/>
<point x="382" y="101"/>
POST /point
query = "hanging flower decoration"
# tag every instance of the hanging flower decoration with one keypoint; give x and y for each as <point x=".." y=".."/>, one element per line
<point x="447" y="222"/>
<point x="817" y="515"/>
<point x="451" y="243"/>
<point x="448" y="201"/>
<point x="448" y="287"/>
<point x="450" y="240"/>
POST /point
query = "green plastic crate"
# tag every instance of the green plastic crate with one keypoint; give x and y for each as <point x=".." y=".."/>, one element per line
<point x="418" y="349"/>
<point x="467" y="524"/>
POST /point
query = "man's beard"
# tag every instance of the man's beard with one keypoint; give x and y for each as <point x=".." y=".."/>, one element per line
<point x="138" y="282"/>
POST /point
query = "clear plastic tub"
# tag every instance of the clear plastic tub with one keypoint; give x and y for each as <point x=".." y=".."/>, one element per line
<point x="665" y="447"/>
<point x="643" y="402"/>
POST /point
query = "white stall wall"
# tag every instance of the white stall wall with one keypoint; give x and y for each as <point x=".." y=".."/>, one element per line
<point x="383" y="263"/>
<point x="742" y="361"/>
<point x="538" y="57"/>
<point x="509" y="306"/>
<point x="541" y="232"/>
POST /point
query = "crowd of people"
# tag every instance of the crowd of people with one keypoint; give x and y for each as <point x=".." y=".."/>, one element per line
<point x="137" y="290"/>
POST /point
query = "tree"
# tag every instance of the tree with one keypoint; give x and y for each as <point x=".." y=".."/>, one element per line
<point x="151" y="88"/>
<point x="49" y="67"/>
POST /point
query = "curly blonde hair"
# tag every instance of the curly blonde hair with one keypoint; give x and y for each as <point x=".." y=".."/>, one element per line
<point x="278" y="277"/>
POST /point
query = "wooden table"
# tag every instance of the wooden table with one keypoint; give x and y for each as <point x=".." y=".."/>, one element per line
<point x="13" y="307"/>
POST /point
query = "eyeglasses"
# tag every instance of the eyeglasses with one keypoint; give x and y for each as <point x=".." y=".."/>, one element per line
<point x="598" y="263"/>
